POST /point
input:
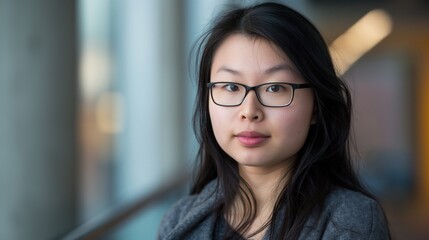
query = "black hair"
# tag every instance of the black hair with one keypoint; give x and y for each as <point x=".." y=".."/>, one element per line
<point x="324" y="161"/>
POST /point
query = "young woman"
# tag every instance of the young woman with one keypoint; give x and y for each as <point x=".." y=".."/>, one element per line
<point x="273" y="121"/>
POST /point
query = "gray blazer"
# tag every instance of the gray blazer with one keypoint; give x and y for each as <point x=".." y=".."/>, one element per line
<point x="346" y="215"/>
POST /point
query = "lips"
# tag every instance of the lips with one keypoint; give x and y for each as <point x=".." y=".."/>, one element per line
<point x="251" y="138"/>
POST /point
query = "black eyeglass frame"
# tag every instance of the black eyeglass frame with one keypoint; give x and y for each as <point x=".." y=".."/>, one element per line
<point x="255" y="88"/>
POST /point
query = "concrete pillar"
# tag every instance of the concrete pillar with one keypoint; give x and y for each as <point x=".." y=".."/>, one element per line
<point x="38" y="96"/>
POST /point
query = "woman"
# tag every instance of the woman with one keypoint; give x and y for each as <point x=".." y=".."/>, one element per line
<point x="273" y="121"/>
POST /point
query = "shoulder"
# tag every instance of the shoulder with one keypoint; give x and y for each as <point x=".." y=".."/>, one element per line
<point x="178" y="210"/>
<point x="189" y="209"/>
<point x="351" y="215"/>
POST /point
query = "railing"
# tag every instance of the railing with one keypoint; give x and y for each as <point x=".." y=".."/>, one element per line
<point x="103" y="225"/>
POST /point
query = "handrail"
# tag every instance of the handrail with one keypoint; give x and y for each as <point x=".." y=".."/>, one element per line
<point x="102" y="225"/>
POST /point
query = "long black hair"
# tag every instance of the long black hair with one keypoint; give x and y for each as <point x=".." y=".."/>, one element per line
<point x="324" y="161"/>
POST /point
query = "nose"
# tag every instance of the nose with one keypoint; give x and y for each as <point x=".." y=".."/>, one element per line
<point x="251" y="108"/>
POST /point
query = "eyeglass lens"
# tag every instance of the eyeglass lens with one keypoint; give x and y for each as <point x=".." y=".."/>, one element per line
<point x="270" y="94"/>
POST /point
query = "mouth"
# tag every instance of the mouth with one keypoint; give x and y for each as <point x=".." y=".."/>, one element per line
<point x="251" y="138"/>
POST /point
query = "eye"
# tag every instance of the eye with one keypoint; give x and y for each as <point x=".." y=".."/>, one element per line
<point x="231" y="87"/>
<point x="275" y="88"/>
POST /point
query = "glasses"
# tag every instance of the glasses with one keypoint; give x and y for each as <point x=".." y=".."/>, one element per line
<point x="274" y="94"/>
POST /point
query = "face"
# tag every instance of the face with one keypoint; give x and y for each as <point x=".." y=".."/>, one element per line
<point x="256" y="136"/>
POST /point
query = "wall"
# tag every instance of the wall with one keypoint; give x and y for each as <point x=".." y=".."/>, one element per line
<point x="37" y="119"/>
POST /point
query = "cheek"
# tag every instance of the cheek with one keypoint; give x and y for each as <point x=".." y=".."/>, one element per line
<point x="217" y="118"/>
<point x="299" y="119"/>
<point x="293" y="128"/>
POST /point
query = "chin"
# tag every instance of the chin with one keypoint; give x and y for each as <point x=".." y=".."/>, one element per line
<point x="251" y="162"/>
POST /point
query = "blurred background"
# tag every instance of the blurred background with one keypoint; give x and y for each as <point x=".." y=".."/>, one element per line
<point x="96" y="98"/>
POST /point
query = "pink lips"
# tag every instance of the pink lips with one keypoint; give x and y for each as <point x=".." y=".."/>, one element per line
<point x="251" y="139"/>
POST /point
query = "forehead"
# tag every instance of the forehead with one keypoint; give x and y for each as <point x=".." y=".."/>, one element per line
<point x="252" y="58"/>
<point x="241" y="50"/>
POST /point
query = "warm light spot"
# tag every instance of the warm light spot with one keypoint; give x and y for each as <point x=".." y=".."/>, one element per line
<point x="109" y="112"/>
<point x="94" y="70"/>
<point x="360" y="38"/>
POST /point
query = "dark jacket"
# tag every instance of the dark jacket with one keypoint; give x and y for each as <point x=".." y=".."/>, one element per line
<point x="346" y="215"/>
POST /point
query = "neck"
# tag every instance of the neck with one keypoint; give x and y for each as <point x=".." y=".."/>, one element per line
<point x="266" y="184"/>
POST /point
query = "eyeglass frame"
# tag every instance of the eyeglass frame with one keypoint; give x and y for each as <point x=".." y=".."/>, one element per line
<point x="255" y="89"/>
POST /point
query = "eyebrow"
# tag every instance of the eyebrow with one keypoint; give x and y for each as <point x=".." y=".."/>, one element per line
<point x="229" y="70"/>
<point x="271" y="70"/>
